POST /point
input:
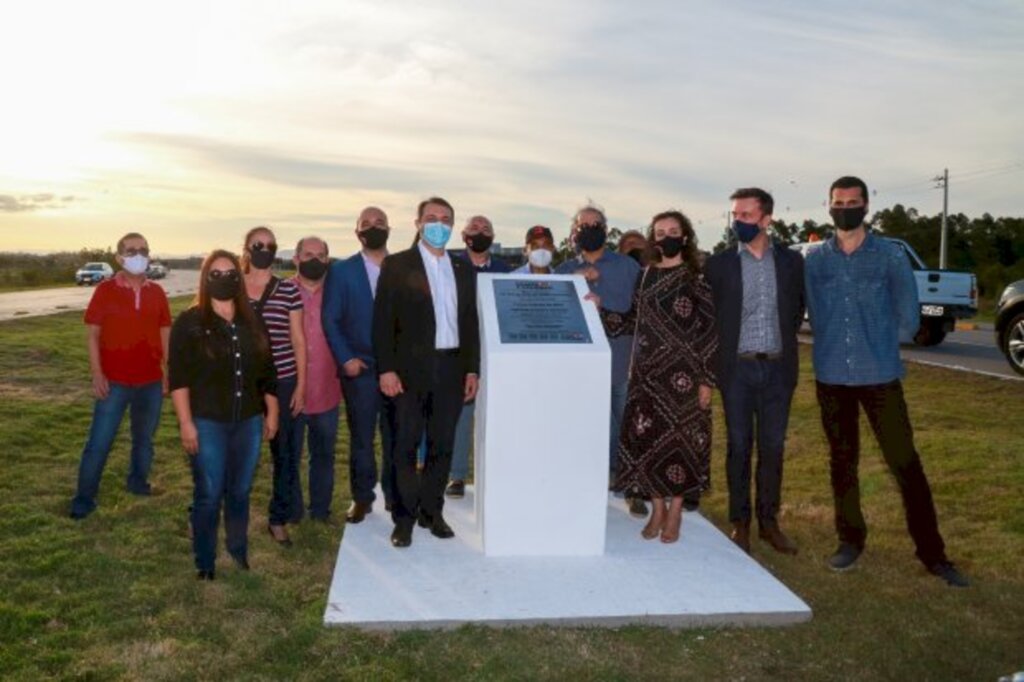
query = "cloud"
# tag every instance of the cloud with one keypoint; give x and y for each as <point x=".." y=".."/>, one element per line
<point x="32" y="202"/>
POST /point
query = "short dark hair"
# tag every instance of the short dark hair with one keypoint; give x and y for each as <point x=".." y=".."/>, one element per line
<point x="433" y="200"/>
<point x="849" y="182"/>
<point x="764" y="199"/>
<point x="130" y="235"/>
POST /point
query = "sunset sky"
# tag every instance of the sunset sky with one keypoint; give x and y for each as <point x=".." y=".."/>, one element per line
<point x="193" y="121"/>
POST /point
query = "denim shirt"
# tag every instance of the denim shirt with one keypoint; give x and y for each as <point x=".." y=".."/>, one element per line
<point x="861" y="306"/>
<point x="615" y="286"/>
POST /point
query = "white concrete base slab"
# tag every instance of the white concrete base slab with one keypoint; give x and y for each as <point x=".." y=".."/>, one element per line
<point x="703" y="579"/>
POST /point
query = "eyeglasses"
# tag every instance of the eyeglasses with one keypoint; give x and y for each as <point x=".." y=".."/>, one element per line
<point x="260" y="246"/>
<point x="141" y="251"/>
<point x="589" y="226"/>
<point x="218" y="274"/>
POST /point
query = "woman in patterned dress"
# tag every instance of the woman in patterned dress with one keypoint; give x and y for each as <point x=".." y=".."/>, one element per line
<point x="665" y="444"/>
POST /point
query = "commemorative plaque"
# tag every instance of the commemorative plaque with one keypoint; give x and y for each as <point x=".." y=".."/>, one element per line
<point x="537" y="310"/>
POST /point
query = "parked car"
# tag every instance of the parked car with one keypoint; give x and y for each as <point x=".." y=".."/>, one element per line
<point x="1010" y="325"/>
<point x="93" y="273"/>
<point x="156" y="270"/>
<point x="945" y="296"/>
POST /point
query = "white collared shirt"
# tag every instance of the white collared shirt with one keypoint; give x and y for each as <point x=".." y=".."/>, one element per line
<point x="372" y="272"/>
<point x="441" y="278"/>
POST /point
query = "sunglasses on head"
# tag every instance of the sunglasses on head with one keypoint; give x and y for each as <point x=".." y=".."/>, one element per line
<point x="141" y="251"/>
<point x="218" y="274"/>
<point x="260" y="246"/>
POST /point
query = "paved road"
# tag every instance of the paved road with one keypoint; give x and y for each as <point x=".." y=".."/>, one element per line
<point x="49" y="301"/>
<point x="973" y="351"/>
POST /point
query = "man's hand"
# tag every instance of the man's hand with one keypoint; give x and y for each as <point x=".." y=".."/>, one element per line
<point x="189" y="437"/>
<point x="472" y="384"/>
<point x="590" y="273"/>
<point x="100" y="386"/>
<point x="353" y="368"/>
<point x="591" y="296"/>
<point x="390" y="384"/>
<point x="704" y="396"/>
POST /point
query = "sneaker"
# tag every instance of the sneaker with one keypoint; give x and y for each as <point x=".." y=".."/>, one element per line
<point x="456" y="489"/>
<point x="637" y="507"/>
<point x="949" y="573"/>
<point x="845" y="557"/>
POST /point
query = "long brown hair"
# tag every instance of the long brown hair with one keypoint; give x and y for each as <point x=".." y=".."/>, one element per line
<point x="689" y="248"/>
<point x="245" y="259"/>
<point x="243" y="311"/>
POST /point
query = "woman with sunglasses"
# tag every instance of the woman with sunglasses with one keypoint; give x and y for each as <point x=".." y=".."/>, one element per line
<point x="222" y="382"/>
<point x="278" y="302"/>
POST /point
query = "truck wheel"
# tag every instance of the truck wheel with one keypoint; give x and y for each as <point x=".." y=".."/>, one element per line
<point x="1013" y="343"/>
<point x="931" y="333"/>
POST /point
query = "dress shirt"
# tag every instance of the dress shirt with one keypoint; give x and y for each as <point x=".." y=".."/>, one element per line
<point x="759" y="322"/>
<point x="372" y="272"/>
<point x="323" y="391"/>
<point x="441" y="278"/>
<point x="860" y="305"/>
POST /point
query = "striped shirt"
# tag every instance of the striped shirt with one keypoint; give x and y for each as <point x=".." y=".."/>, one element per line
<point x="276" y="316"/>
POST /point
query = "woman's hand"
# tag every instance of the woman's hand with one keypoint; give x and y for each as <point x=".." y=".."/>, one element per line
<point x="189" y="437"/>
<point x="704" y="396"/>
<point x="270" y="426"/>
<point x="298" y="401"/>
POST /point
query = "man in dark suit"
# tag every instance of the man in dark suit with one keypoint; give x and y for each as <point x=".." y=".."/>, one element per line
<point x="348" y="321"/>
<point x="427" y="341"/>
<point x="758" y="289"/>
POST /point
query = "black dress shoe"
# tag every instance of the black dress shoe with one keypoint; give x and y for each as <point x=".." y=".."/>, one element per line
<point x="845" y="557"/>
<point x="949" y="573"/>
<point x="456" y="489"/>
<point x="440" y="529"/>
<point x="358" y="511"/>
<point x="401" y="536"/>
<point x="204" y="575"/>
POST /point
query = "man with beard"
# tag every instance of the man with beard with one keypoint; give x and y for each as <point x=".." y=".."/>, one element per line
<point x="348" y="322"/>
<point x="862" y="300"/>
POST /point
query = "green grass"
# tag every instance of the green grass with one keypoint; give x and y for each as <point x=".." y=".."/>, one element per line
<point x="115" y="597"/>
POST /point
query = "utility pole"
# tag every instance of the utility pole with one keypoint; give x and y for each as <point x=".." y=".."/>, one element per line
<point x="943" y="181"/>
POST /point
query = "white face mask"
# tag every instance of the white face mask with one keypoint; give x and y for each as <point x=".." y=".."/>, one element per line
<point x="540" y="258"/>
<point x="136" y="264"/>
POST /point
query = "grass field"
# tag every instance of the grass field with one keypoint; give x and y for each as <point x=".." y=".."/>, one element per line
<point x="115" y="596"/>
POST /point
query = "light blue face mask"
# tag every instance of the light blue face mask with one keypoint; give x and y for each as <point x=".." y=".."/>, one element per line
<point x="437" y="234"/>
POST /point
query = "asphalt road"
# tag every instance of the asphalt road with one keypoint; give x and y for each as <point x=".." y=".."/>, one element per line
<point x="49" y="301"/>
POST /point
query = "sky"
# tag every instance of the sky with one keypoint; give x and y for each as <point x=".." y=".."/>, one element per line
<point x="194" y="121"/>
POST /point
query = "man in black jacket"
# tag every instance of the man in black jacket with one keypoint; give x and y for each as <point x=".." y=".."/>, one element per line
<point x="427" y="342"/>
<point x="758" y="289"/>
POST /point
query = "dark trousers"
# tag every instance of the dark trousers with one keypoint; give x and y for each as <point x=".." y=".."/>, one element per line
<point x="435" y="409"/>
<point x="323" y="435"/>
<point x="886" y="411"/>
<point x="757" y="391"/>
<point x="367" y="410"/>
<point x="285" y="447"/>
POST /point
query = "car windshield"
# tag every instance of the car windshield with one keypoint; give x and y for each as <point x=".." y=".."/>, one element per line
<point x="93" y="266"/>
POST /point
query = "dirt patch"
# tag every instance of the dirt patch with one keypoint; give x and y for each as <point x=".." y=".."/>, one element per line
<point x="41" y="392"/>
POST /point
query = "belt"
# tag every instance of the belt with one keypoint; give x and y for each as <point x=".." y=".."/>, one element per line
<point x="760" y="356"/>
<point x="446" y="351"/>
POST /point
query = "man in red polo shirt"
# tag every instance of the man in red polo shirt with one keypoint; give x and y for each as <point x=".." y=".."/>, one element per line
<point x="128" y="322"/>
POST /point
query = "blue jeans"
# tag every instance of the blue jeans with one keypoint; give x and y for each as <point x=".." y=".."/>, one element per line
<point x="323" y="435"/>
<point x="619" y="393"/>
<point x="223" y="469"/>
<point x="368" y="411"/>
<point x="285" y="447"/>
<point x="145" y="402"/>
<point x="463" y="439"/>
<point x="757" y="389"/>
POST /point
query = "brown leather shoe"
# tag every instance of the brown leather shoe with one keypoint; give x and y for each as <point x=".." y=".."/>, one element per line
<point x="358" y="511"/>
<point x="741" y="535"/>
<point x="771" y="534"/>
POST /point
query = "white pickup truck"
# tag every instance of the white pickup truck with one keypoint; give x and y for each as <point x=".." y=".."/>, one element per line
<point x="945" y="295"/>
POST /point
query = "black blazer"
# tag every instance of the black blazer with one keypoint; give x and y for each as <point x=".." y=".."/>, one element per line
<point x="403" y="318"/>
<point x="724" y="273"/>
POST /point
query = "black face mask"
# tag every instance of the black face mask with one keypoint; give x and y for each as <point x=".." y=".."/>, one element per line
<point x="637" y="255"/>
<point x="591" y="238"/>
<point x="479" y="242"/>
<point x="848" y="218"/>
<point x="670" y="247"/>
<point x="374" y="238"/>
<point x="262" y="259"/>
<point x="223" y="288"/>
<point x="313" y="269"/>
